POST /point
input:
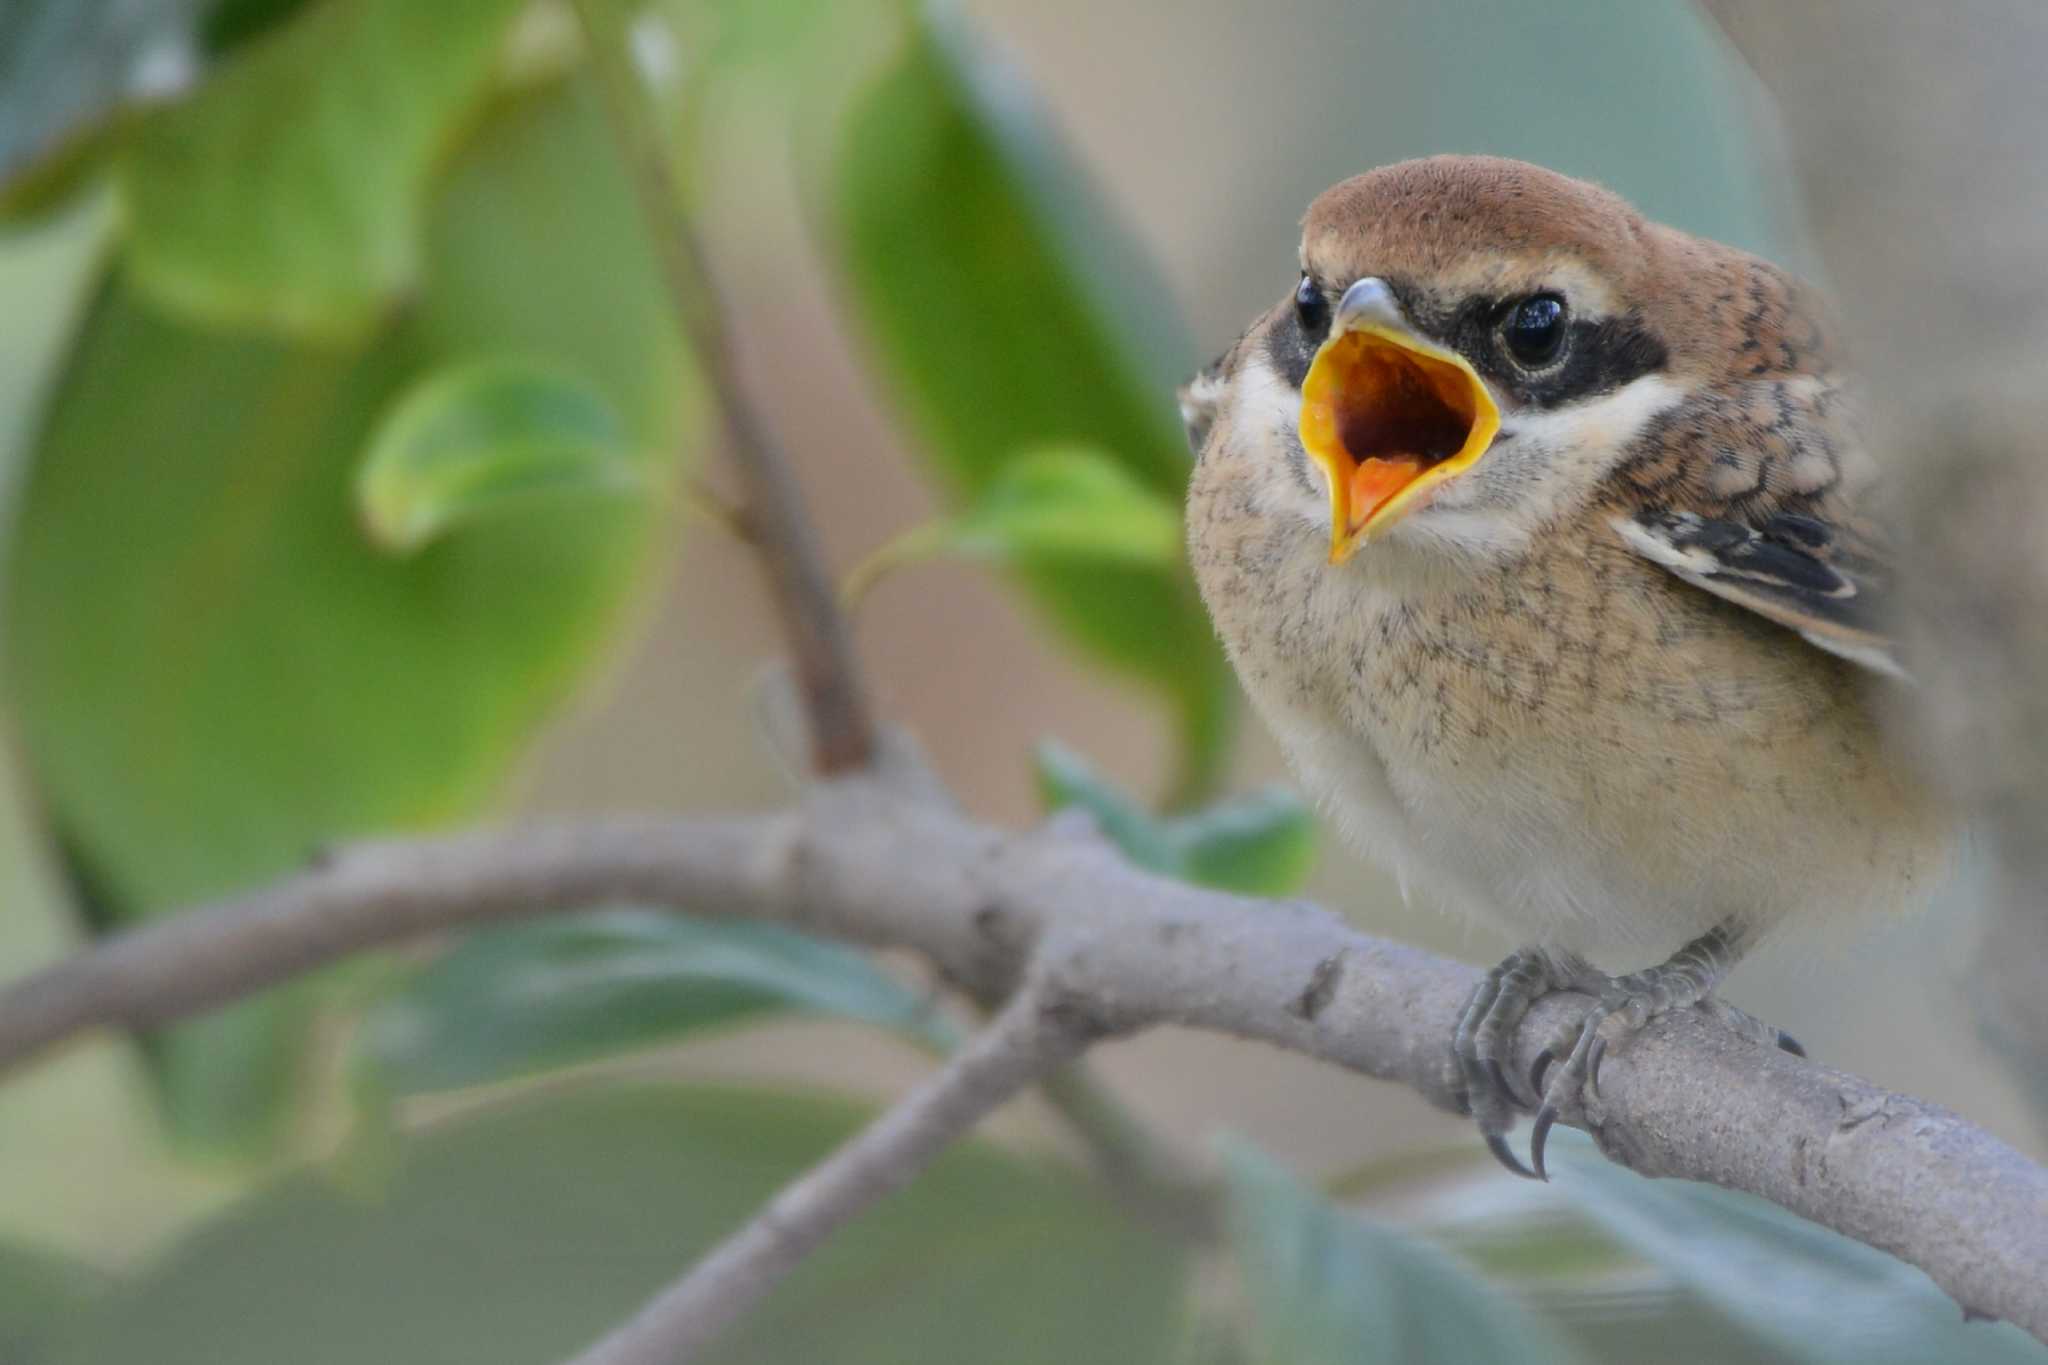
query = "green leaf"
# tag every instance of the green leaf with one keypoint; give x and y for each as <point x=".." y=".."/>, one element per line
<point x="289" y="194"/>
<point x="1262" y="843"/>
<point x="1066" y="779"/>
<point x="1803" y="1292"/>
<point x="513" y="1001"/>
<point x="1049" y="507"/>
<point x="485" y="438"/>
<point x="40" y="1294"/>
<point x="216" y="670"/>
<point x="519" y="1235"/>
<point x="1008" y="313"/>
<point x="230" y="23"/>
<point x="1327" y="1288"/>
<point x="1063" y="504"/>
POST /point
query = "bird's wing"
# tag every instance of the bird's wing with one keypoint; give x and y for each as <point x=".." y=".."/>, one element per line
<point x="1823" y="579"/>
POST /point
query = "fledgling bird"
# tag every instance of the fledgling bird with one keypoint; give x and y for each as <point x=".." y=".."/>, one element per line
<point x="1532" y="529"/>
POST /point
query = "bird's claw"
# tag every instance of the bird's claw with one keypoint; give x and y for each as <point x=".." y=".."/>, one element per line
<point x="1539" y="1133"/>
<point x="1497" y="1143"/>
<point x="1566" y="1073"/>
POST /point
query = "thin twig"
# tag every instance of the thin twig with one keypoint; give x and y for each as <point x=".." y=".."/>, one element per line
<point x="842" y="729"/>
<point x="1024" y="1042"/>
<point x="1125" y="950"/>
<point x="728" y="516"/>
<point x="773" y="521"/>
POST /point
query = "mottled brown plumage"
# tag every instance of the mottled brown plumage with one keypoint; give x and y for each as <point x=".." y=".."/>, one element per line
<point x="1576" y="689"/>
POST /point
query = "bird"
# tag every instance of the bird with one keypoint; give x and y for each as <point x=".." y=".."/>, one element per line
<point x="1542" y="539"/>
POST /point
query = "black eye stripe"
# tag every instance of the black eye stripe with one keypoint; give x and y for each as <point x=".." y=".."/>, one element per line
<point x="1312" y="309"/>
<point x="1599" y="354"/>
<point x="1290" y="348"/>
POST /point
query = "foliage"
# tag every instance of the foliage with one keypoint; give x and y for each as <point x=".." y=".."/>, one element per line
<point x="1261" y="843"/>
<point x="1327" y="1288"/>
<point x="196" y="620"/>
<point x="528" y="998"/>
<point x="482" y="440"/>
<point x="517" y="1236"/>
<point x="1009" y="312"/>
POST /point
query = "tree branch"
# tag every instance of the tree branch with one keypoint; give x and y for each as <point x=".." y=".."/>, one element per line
<point x="1121" y="950"/>
<point x="842" y="731"/>
<point x="1022" y="1045"/>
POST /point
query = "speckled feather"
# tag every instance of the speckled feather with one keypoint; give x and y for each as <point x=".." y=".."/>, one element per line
<point x="1509" y="695"/>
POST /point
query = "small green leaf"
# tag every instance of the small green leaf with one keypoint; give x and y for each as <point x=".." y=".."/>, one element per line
<point x="1805" y="1293"/>
<point x="575" y="988"/>
<point x="518" y="1234"/>
<point x="1059" y="505"/>
<point x="1328" y="1288"/>
<point x="290" y="193"/>
<point x="1009" y="312"/>
<point x="1069" y="503"/>
<point x="1067" y="779"/>
<point x="485" y="438"/>
<point x="1262" y="843"/>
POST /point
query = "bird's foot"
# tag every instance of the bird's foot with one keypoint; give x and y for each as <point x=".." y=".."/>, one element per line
<point x="1567" y="1069"/>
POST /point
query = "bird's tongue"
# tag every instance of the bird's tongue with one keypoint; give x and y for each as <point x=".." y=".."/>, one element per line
<point x="1377" y="479"/>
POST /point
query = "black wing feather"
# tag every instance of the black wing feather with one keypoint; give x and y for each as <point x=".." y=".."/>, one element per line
<point x="1803" y="573"/>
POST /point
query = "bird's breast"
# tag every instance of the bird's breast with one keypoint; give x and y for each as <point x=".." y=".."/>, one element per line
<point x="1572" y="743"/>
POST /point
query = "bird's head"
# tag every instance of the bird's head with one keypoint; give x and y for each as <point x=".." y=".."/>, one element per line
<point x="1470" y="347"/>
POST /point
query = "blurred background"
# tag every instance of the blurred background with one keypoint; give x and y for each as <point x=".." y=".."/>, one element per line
<point x="249" y="613"/>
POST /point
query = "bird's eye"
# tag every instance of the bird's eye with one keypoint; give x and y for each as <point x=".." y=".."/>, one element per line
<point x="1312" y="306"/>
<point x="1534" y="330"/>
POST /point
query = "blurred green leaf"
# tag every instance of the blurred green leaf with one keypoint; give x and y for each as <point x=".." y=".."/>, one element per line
<point x="70" y="73"/>
<point x="521" y="1234"/>
<point x="1325" y="1286"/>
<point x="289" y="193"/>
<point x="48" y="184"/>
<point x="1065" y="779"/>
<point x="1009" y="313"/>
<point x="484" y="438"/>
<point x="230" y="23"/>
<point x="1068" y="504"/>
<point x="40" y="1294"/>
<point x="216" y="671"/>
<point x="509" y="1002"/>
<point x="1262" y="843"/>
<point x="1053" y="506"/>
<point x="1804" y="1292"/>
<point x="75" y="78"/>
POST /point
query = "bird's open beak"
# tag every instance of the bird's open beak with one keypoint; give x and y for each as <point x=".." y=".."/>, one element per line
<point x="1387" y="415"/>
